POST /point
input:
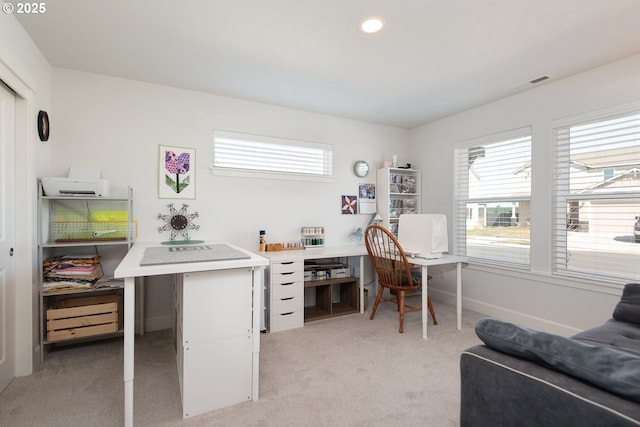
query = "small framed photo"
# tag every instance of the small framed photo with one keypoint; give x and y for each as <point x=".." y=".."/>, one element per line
<point x="367" y="199"/>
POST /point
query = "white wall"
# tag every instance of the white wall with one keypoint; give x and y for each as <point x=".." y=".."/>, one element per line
<point x="117" y="125"/>
<point x="24" y="69"/>
<point x="535" y="299"/>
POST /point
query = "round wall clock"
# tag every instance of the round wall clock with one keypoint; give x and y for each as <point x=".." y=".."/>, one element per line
<point x="43" y="126"/>
<point x="361" y="168"/>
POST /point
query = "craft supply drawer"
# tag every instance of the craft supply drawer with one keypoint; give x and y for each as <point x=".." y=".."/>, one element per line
<point x="287" y="290"/>
<point x="286" y="267"/>
<point x="284" y="321"/>
<point x="285" y="305"/>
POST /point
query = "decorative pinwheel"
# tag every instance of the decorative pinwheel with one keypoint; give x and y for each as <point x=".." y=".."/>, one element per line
<point x="179" y="222"/>
<point x="349" y="204"/>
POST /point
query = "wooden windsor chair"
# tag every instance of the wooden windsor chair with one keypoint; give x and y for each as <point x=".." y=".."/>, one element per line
<point x="393" y="270"/>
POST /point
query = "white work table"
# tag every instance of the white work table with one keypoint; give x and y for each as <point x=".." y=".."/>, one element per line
<point x="204" y="284"/>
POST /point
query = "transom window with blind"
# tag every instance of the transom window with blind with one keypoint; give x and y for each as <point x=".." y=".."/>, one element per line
<point x="597" y="195"/>
<point x="493" y="198"/>
<point x="252" y="154"/>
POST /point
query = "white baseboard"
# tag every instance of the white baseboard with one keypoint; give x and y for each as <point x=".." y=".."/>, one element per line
<point x="505" y="314"/>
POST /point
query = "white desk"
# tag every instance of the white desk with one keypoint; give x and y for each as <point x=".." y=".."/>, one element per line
<point x="342" y="251"/>
<point x="130" y="268"/>
<point x="361" y="251"/>
<point x="424" y="264"/>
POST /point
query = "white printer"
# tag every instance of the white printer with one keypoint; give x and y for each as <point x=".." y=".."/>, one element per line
<point x="80" y="182"/>
<point x="75" y="187"/>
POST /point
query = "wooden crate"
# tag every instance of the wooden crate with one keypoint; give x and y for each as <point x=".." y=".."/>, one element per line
<point x="81" y="321"/>
<point x="95" y="299"/>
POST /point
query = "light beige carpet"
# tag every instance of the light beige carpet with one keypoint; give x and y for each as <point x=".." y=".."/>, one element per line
<point x="346" y="371"/>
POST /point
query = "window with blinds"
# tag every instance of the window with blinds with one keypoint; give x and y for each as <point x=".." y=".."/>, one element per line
<point x="493" y="198"/>
<point x="251" y="153"/>
<point x="597" y="196"/>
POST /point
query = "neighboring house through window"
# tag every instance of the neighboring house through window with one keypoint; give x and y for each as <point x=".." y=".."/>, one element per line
<point x="597" y="195"/>
<point x="493" y="198"/>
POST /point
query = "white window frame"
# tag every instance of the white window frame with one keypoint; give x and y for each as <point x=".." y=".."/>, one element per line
<point x="256" y="156"/>
<point x="462" y="197"/>
<point x="562" y="195"/>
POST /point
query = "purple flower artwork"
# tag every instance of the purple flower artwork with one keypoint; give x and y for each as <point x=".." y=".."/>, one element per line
<point x="175" y="166"/>
<point x="176" y="179"/>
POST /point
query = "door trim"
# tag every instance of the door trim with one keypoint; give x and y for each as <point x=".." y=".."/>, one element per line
<point x="27" y="308"/>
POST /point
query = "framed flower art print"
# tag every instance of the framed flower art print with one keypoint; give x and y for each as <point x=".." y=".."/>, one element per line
<point x="176" y="173"/>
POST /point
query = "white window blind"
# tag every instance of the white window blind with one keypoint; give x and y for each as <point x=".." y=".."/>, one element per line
<point x="243" y="152"/>
<point x="493" y="198"/>
<point x="597" y="196"/>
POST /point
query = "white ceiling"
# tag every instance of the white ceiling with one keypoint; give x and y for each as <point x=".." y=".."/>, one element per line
<point x="432" y="59"/>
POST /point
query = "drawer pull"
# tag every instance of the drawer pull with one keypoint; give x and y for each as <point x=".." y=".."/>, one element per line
<point x="288" y="272"/>
<point x="286" y="314"/>
<point x="286" y="299"/>
<point x="287" y="284"/>
<point x="286" y="262"/>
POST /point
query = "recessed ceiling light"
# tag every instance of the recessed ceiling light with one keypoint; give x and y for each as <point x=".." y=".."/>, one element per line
<point x="372" y="24"/>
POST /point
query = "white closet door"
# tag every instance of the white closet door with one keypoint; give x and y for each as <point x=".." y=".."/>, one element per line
<point x="7" y="236"/>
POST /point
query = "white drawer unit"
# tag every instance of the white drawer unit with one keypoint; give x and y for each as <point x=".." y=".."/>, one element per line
<point x="288" y="320"/>
<point x="286" y="295"/>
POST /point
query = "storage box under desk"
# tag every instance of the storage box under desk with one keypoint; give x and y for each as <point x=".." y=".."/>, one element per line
<point x="331" y="297"/>
<point x="79" y="317"/>
<point x="81" y="321"/>
<point x="322" y="297"/>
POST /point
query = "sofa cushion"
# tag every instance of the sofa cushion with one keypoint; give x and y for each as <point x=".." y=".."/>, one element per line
<point x="623" y="336"/>
<point x="608" y="368"/>
<point x="628" y="308"/>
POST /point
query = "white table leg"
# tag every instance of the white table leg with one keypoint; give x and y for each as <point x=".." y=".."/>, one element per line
<point x="425" y="310"/>
<point x="141" y="289"/>
<point x="459" y="293"/>
<point x="129" y="332"/>
<point x="258" y="285"/>
<point x="361" y="284"/>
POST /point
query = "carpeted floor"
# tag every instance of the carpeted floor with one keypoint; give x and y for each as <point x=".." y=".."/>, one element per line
<point x="346" y="371"/>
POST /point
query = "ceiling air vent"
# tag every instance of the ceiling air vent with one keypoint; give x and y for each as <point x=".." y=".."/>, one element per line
<point x="539" y="79"/>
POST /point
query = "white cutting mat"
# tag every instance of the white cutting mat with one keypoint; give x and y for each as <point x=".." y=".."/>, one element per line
<point x="190" y="253"/>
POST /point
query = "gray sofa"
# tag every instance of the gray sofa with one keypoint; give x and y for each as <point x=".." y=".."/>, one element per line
<point x="524" y="377"/>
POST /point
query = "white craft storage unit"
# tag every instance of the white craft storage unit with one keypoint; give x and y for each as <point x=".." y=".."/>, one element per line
<point x="215" y="339"/>
<point x="286" y="299"/>
<point x="83" y="226"/>
<point x="287" y="287"/>
<point x="397" y="193"/>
